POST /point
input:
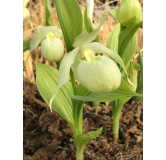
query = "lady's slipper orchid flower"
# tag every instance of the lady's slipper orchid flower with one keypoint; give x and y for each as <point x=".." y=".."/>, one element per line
<point x="129" y="13"/>
<point x="52" y="47"/>
<point x="97" y="73"/>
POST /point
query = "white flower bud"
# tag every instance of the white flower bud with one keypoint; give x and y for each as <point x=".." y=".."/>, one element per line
<point x="98" y="74"/>
<point x="52" y="48"/>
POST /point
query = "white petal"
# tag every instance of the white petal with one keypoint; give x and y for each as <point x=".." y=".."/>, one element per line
<point x="41" y="33"/>
<point x="64" y="69"/>
<point x="86" y="38"/>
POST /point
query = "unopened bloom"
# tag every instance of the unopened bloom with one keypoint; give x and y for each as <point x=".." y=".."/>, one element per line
<point x="52" y="47"/>
<point x="129" y="12"/>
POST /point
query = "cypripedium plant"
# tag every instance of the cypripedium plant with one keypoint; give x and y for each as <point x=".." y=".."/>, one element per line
<point x="26" y="13"/>
<point x="129" y="12"/>
<point x="100" y="77"/>
<point x="52" y="47"/>
<point x="123" y="40"/>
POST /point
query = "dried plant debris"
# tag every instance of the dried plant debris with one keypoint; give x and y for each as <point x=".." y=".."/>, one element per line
<point x="46" y="134"/>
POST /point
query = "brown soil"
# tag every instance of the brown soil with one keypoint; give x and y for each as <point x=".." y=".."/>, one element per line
<point x="46" y="135"/>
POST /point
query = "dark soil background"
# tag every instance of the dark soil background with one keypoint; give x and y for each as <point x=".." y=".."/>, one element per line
<point x="46" y="135"/>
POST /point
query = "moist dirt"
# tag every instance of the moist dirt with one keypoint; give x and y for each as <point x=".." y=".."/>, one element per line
<point x="46" y="135"/>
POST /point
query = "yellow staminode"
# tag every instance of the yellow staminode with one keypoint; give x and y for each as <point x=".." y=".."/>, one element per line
<point x="50" y="37"/>
<point x="86" y="54"/>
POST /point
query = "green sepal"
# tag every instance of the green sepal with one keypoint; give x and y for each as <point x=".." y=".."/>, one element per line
<point x="47" y="13"/>
<point x="114" y="12"/>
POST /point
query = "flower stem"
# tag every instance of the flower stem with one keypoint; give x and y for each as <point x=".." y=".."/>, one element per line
<point x="73" y="82"/>
<point x="95" y="103"/>
<point x="79" y="152"/>
<point x="58" y="64"/>
<point x="116" y="116"/>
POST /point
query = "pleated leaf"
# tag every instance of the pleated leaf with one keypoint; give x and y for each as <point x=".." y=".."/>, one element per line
<point x="47" y="13"/>
<point x="129" y="50"/>
<point x="133" y="79"/>
<point x="78" y="106"/>
<point x="125" y="37"/>
<point x="70" y="19"/>
<point x="88" y="28"/>
<point x="47" y="79"/>
<point x="123" y="91"/>
<point x="140" y="78"/>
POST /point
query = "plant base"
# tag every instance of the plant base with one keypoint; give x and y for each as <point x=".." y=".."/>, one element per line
<point x="115" y="138"/>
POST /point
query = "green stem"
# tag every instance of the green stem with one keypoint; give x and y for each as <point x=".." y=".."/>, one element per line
<point x="95" y="103"/>
<point x="79" y="152"/>
<point x="116" y="116"/>
<point x="73" y="82"/>
<point x="58" y="64"/>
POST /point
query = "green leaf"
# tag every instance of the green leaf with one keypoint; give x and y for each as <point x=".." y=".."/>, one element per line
<point x="123" y="91"/>
<point x="87" y="38"/>
<point x="135" y="65"/>
<point x="140" y="73"/>
<point x="82" y="91"/>
<point x="83" y="139"/>
<point x="133" y="79"/>
<point x="88" y="28"/>
<point x="124" y="38"/>
<point x="140" y="78"/>
<point x="23" y="92"/>
<point x="78" y="106"/>
<point x="70" y="18"/>
<point x="47" y="78"/>
<point x="47" y="13"/>
<point x="26" y="44"/>
<point x="129" y="50"/>
<point x="113" y="38"/>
